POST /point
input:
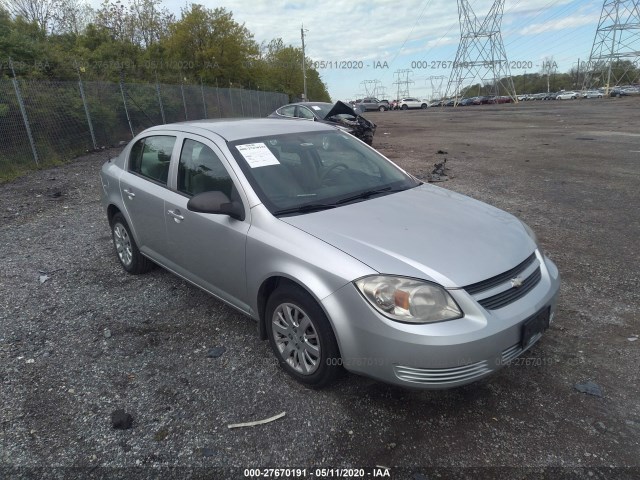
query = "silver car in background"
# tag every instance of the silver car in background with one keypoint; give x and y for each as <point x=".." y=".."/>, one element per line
<point x="343" y="259"/>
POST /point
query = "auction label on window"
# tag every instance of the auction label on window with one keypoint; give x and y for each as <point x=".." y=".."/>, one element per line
<point x="257" y="155"/>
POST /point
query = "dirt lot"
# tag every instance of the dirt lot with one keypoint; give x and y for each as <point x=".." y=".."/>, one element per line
<point x="79" y="338"/>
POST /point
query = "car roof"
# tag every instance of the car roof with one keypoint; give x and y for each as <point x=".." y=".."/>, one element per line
<point x="239" y="128"/>
<point x="307" y="104"/>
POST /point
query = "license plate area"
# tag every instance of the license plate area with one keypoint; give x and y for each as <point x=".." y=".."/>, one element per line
<point x="534" y="325"/>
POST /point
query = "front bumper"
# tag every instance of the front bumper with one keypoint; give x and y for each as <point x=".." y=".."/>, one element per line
<point x="438" y="355"/>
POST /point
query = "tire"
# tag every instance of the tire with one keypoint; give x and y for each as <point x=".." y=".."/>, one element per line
<point x="405" y="107"/>
<point x="309" y="354"/>
<point x="126" y="249"/>
<point x="382" y="109"/>
<point x="424" y="106"/>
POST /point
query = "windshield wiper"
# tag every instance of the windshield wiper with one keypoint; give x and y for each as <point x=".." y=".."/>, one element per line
<point x="310" y="207"/>
<point x="367" y="194"/>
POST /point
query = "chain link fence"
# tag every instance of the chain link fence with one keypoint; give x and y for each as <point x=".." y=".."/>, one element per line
<point x="43" y="122"/>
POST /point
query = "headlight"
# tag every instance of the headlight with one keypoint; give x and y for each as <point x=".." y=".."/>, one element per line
<point x="530" y="232"/>
<point x="408" y="300"/>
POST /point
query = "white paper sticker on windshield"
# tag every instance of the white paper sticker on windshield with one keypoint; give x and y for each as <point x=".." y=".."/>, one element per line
<point x="315" y="107"/>
<point x="257" y="155"/>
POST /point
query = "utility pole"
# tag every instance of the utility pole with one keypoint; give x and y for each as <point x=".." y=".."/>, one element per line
<point x="304" y="66"/>
<point x="616" y="42"/>
<point x="481" y="53"/>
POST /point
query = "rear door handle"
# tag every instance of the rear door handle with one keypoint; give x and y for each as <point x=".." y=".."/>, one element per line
<point x="129" y="193"/>
<point x="176" y="215"/>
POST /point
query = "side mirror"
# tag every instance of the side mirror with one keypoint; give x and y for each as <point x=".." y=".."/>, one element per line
<point x="216" y="203"/>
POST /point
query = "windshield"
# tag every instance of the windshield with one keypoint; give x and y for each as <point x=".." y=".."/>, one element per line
<point x="321" y="109"/>
<point x="315" y="170"/>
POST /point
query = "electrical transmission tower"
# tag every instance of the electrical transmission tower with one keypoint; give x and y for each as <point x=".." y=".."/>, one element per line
<point x="481" y="55"/>
<point x="436" y="86"/>
<point x="371" y="87"/>
<point x="616" y="46"/>
<point x="403" y="83"/>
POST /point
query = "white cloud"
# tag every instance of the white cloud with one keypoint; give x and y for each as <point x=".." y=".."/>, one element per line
<point x="560" y="24"/>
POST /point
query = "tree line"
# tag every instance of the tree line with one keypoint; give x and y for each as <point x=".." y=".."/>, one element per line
<point x="145" y="42"/>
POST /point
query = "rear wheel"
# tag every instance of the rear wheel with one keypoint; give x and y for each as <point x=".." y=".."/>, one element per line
<point x="126" y="249"/>
<point x="301" y="337"/>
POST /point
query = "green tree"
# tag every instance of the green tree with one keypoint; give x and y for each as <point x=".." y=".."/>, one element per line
<point x="211" y="45"/>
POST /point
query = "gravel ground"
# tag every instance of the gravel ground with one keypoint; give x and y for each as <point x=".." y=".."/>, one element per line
<point x="80" y="338"/>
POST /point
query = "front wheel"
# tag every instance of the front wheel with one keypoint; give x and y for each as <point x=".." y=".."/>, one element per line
<point x="423" y="106"/>
<point x="126" y="249"/>
<point x="382" y="109"/>
<point x="301" y="337"/>
<point x="405" y="107"/>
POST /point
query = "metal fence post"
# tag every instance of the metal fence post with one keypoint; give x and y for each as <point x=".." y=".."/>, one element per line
<point x="218" y="96"/>
<point x="23" y="111"/>
<point x="204" y="103"/>
<point x="184" y="101"/>
<point x="241" y="104"/>
<point x="164" y="120"/>
<point x="86" y="111"/>
<point x="231" y="99"/>
<point x="259" y="108"/>
<point x="124" y="101"/>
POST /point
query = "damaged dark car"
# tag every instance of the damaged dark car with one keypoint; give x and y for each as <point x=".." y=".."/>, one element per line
<point x="340" y="115"/>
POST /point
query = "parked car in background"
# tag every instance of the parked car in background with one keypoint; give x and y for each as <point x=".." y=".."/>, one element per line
<point x="625" y="91"/>
<point x="592" y="94"/>
<point x="370" y="103"/>
<point x="568" y="95"/>
<point x="500" y="99"/>
<point x="411" y="102"/>
<point x="341" y="257"/>
<point x="481" y="100"/>
<point x="339" y="115"/>
<point x="465" y="102"/>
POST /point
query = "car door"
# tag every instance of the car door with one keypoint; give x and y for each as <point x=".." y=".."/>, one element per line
<point x="143" y="186"/>
<point x="207" y="249"/>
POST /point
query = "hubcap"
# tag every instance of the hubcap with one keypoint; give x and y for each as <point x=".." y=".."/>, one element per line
<point x="296" y="338"/>
<point x="123" y="244"/>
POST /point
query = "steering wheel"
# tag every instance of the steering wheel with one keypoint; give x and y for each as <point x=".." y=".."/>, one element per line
<point x="332" y="168"/>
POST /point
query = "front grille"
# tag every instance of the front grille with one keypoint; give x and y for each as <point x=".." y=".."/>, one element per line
<point x="442" y="376"/>
<point x="503" y="299"/>
<point x="498" y="279"/>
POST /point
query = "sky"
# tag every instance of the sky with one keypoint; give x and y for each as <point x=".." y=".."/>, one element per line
<point x="362" y="43"/>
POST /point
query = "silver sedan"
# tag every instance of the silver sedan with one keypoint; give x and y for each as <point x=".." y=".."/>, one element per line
<point x="343" y="259"/>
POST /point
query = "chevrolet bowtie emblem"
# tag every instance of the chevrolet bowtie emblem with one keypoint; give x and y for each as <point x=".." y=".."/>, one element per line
<point x="516" y="282"/>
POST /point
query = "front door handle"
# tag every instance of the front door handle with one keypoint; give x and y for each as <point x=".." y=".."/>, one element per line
<point x="176" y="215"/>
<point x="129" y="193"/>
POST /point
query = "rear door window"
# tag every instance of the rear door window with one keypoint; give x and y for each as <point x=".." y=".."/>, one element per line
<point x="150" y="157"/>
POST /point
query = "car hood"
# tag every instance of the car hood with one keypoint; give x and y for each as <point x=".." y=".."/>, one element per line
<point x="340" y="108"/>
<point x="425" y="232"/>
